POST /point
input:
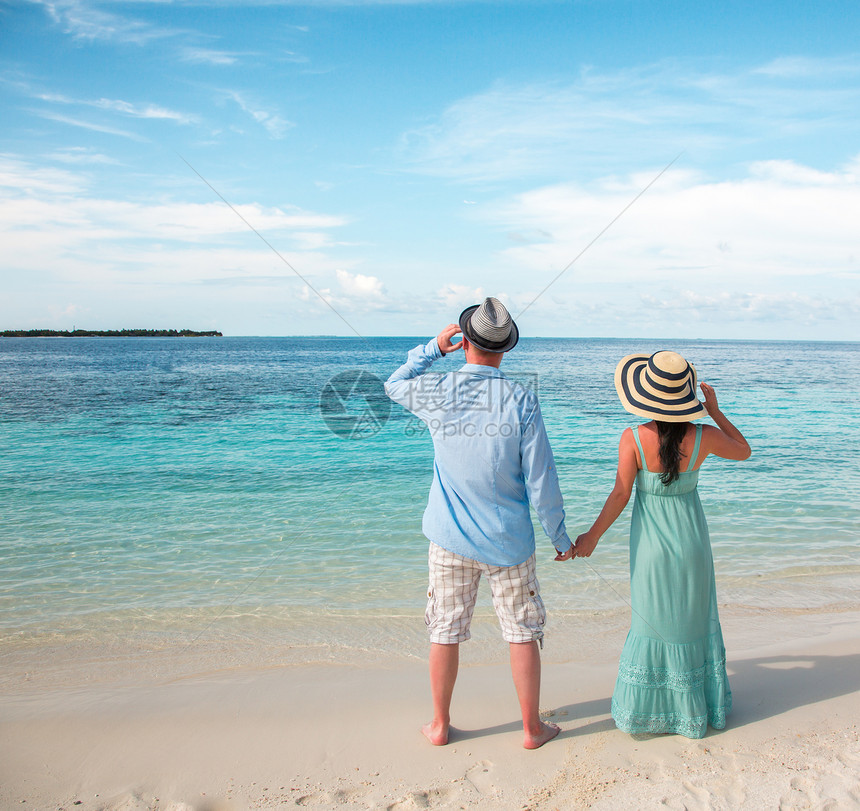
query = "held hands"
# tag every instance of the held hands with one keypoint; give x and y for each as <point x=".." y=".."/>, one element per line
<point x="566" y="555"/>
<point x="444" y="339"/>
<point x="585" y="544"/>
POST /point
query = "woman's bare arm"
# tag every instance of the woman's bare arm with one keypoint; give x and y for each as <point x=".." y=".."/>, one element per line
<point x="617" y="499"/>
<point x="727" y="442"/>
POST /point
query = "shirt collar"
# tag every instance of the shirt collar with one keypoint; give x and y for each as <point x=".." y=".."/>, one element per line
<point x="480" y="369"/>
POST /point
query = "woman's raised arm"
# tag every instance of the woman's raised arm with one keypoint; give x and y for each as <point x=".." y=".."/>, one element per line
<point x="727" y="442"/>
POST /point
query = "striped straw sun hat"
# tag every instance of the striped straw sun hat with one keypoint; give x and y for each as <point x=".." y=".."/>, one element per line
<point x="660" y="387"/>
<point x="489" y="326"/>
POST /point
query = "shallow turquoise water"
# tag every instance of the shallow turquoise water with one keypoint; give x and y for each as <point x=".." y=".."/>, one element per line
<point x="161" y="483"/>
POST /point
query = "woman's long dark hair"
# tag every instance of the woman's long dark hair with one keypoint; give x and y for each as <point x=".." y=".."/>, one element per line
<point x="671" y="434"/>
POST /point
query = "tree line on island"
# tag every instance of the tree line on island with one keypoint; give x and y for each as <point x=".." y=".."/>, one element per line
<point x="108" y="333"/>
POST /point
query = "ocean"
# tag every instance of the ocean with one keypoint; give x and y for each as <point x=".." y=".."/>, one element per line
<point x="157" y="492"/>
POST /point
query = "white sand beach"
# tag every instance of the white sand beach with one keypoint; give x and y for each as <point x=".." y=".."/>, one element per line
<point x="111" y="731"/>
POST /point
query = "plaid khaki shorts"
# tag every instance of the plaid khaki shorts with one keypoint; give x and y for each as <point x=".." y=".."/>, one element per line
<point x="453" y="592"/>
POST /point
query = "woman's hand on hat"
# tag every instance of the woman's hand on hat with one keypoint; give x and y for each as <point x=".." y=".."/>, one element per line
<point x="710" y="399"/>
<point x="444" y="339"/>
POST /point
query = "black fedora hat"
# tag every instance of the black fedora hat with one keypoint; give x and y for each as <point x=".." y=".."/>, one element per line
<point x="489" y="326"/>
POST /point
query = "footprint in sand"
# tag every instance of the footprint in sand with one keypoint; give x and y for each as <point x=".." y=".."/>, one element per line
<point x="350" y="796"/>
<point x="801" y="794"/>
<point x="319" y="798"/>
<point x="141" y="802"/>
<point x="481" y="777"/>
<point x="420" y="799"/>
<point x="415" y="799"/>
<point x="701" y="795"/>
<point x="727" y="765"/>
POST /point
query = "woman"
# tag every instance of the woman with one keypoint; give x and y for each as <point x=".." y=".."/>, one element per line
<point x="672" y="674"/>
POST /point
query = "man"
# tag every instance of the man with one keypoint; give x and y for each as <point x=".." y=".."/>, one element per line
<point x="492" y="458"/>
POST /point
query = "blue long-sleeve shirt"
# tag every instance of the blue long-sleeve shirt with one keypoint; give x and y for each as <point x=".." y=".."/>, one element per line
<point x="492" y="458"/>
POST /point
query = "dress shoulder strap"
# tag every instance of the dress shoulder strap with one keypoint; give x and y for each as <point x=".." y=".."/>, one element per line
<point x="695" y="454"/>
<point x="639" y="445"/>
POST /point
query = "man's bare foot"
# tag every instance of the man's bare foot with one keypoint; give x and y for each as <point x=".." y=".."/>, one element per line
<point x="548" y="732"/>
<point x="437" y="733"/>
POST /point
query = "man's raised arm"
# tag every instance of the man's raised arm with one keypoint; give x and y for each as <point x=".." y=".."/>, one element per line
<point x="418" y="361"/>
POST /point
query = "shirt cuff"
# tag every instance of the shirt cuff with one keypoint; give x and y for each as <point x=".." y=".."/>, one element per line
<point x="568" y="546"/>
<point x="433" y="349"/>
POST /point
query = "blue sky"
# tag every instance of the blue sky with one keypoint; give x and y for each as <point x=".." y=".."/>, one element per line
<point x="408" y="158"/>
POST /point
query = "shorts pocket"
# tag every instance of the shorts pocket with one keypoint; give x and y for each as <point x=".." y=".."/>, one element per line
<point x="430" y="611"/>
<point x="535" y="609"/>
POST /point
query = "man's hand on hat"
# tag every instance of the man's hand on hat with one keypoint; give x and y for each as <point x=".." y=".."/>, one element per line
<point x="444" y="339"/>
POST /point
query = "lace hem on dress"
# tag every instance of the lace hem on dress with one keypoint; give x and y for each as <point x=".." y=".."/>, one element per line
<point x="672" y="680"/>
<point x="670" y="722"/>
<point x="683" y="688"/>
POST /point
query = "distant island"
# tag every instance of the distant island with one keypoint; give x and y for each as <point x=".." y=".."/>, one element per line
<point x="108" y="333"/>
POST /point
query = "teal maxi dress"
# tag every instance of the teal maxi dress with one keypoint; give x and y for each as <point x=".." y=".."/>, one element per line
<point x="672" y="674"/>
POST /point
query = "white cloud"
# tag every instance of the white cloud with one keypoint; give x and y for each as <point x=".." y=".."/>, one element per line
<point x="737" y="306"/>
<point x="781" y="220"/>
<point x="86" y="21"/>
<point x="209" y="56"/>
<point x="585" y="127"/>
<point x="50" y="225"/>
<point x="70" y="311"/>
<point x="459" y="296"/>
<point x="356" y="285"/>
<point x="356" y="295"/>
<point x="18" y="178"/>
<point x="118" y="105"/>
<point x="142" y="111"/>
<point x="274" y="124"/>
<point x="518" y="130"/>
<point x="75" y="221"/>
<point x="790" y="173"/>
<point x="89" y="125"/>
<point x="81" y="156"/>
<point x="690" y="253"/>
<point x="799" y="67"/>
